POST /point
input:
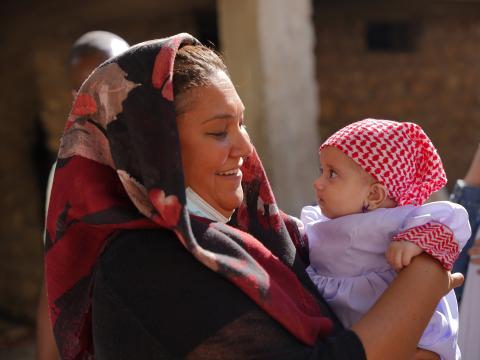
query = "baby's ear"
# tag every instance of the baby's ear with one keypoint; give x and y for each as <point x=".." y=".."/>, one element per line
<point x="377" y="196"/>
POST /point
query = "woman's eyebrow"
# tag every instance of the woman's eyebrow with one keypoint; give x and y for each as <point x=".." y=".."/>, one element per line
<point x="219" y="117"/>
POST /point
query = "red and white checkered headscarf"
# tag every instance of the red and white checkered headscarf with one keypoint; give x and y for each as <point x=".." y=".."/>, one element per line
<point x="397" y="155"/>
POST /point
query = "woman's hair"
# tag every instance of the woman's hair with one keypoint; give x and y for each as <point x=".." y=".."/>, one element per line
<point x="194" y="67"/>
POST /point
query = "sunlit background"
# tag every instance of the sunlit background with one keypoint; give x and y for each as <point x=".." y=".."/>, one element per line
<point x="303" y="68"/>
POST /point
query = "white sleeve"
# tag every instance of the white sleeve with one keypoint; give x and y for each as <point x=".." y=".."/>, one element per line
<point x="445" y="212"/>
<point x="310" y="214"/>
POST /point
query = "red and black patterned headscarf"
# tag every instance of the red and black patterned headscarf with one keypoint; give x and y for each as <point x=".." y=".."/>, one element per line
<point x="119" y="167"/>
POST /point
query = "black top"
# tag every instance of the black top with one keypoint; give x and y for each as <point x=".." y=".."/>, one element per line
<point x="153" y="300"/>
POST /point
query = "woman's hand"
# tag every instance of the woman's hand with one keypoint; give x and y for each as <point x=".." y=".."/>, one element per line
<point x="422" y="354"/>
<point x="455" y="280"/>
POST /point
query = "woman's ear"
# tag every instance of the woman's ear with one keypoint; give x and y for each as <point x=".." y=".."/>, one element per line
<point x="376" y="196"/>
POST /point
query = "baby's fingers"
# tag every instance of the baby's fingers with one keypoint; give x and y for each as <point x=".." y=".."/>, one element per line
<point x="406" y="258"/>
<point x="395" y="258"/>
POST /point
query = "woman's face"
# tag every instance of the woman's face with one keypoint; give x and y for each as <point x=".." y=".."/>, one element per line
<point x="214" y="142"/>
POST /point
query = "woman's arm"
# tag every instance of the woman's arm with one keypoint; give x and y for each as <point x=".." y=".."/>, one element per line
<point x="393" y="326"/>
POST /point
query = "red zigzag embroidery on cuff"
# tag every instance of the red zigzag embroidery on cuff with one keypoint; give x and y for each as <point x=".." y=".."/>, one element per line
<point x="435" y="239"/>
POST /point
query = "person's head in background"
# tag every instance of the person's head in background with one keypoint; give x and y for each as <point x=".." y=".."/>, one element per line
<point x="89" y="51"/>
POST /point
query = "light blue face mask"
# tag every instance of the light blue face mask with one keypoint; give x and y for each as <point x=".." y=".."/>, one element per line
<point x="197" y="206"/>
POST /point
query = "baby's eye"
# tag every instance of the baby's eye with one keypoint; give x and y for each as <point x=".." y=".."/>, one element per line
<point x="333" y="174"/>
<point x="320" y="170"/>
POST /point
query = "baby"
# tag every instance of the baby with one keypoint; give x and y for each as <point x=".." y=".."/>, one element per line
<point x="370" y="221"/>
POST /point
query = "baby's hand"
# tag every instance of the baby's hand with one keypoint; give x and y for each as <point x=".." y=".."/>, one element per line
<point x="400" y="253"/>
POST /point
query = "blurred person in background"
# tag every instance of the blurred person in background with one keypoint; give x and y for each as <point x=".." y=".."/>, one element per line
<point x="466" y="192"/>
<point x="87" y="52"/>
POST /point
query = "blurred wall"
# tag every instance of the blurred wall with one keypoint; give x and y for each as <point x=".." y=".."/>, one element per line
<point x="426" y="70"/>
<point x="276" y="81"/>
<point x="35" y="38"/>
<point x="432" y="76"/>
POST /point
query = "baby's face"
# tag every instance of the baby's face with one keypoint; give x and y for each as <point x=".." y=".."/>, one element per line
<point x="343" y="186"/>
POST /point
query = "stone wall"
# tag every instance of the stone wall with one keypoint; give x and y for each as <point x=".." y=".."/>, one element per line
<point x="435" y="83"/>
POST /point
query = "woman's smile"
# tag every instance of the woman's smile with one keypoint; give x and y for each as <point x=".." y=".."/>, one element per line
<point x="233" y="173"/>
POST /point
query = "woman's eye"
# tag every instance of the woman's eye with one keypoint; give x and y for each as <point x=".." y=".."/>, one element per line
<point x="219" y="134"/>
<point x="333" y="174"/>
<point x="320" y="170"/>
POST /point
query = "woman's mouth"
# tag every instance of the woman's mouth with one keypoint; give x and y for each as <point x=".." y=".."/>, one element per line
<point x="229" y="172"/>
<point x="232" y="173"/>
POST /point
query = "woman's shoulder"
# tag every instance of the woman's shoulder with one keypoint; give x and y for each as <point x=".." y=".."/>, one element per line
<point x="137" y="254"/>
<point x="128" y="245"/>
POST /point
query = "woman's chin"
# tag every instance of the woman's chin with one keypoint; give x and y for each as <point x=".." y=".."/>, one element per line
<point x="230" y="204"/>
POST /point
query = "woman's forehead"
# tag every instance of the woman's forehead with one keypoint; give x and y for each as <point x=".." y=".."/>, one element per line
<point x="217" y="100"/>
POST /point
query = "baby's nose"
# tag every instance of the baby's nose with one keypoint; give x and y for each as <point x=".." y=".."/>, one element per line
<point x="317" y="184"/>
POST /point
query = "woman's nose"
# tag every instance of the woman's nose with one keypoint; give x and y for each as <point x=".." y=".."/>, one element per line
<point x="242" y="146"/>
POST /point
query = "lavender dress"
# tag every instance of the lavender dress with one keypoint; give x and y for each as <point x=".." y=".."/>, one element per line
<point x="348" y="264"/>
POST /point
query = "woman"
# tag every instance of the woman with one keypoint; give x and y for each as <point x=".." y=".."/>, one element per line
<point x="149" y="259"/>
